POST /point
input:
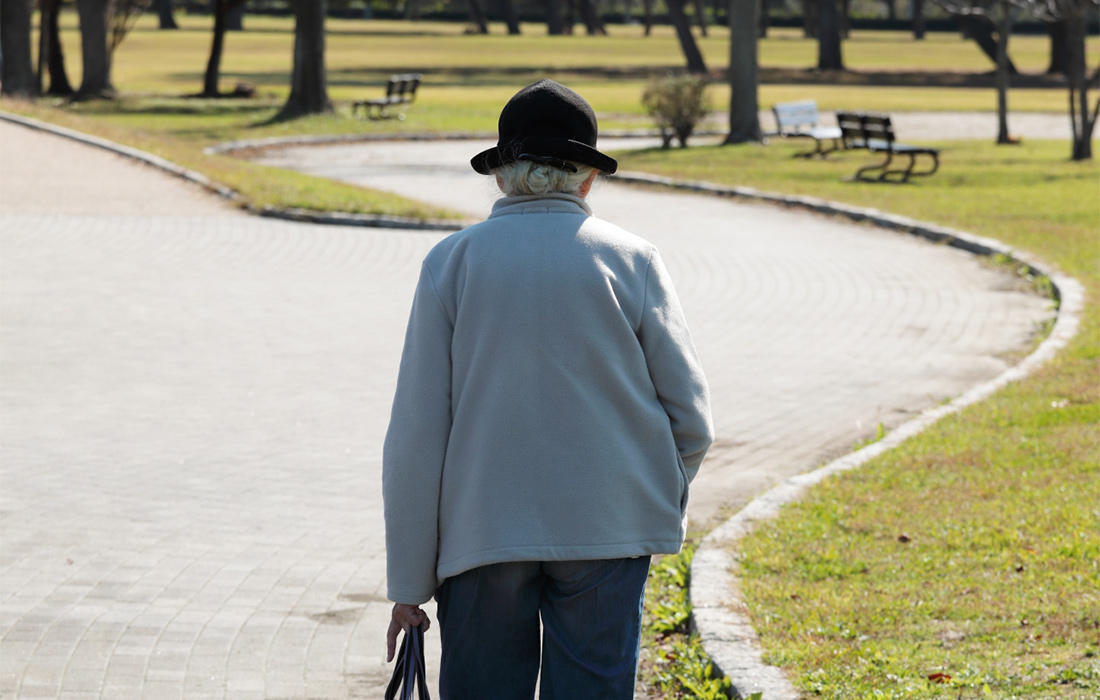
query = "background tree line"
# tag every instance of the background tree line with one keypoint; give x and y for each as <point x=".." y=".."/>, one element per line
<point x="104" y="24"/>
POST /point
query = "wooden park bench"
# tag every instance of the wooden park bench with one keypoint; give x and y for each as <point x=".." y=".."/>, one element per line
<point x="400" y="90"/>
<point x="800" y="120"/>
<point x="875" y="133"/>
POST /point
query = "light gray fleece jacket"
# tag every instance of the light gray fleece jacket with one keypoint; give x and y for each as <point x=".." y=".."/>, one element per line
<point x="550" y="404"/>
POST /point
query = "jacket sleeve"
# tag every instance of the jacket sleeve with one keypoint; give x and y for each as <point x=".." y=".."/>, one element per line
<point x="415" y="447"/>
<point x="674" y="367"/>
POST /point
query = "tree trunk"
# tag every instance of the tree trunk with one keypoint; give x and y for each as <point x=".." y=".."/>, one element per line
<point x="477" y="16"/>
<point x="96" y="82"/>
<point x="570" y="17"/>
<point x="1059" y="55"/>
<point x="765" y="20"/>
<point x="510" y="18"/>
<point x="555" y="25"/>
<point x="811" y="10"/>
<point x="694" y="58"/>
<point x="701" y="17"/>
<point x="308" y="86"/>
<point x="891" y="10"/>
<point x="1003" y="33"/>
<point x="743" y="72"/>
<point x="829" y="56"/>
<point x="593" y="24"/>
<point x="234" y="21"/>
<point x="164" y="14"/>
<point x="59" y="78"/>
<point x="647" y="7"/>
<point x="213" y="64"/>
<point x="919" y="26"/>
<point x="1082" y="123"/>
<point x="981" y="29"/>
<point x="845" y="19"/>
<point x="412" y="10"/>
<point x="17" y="77"/>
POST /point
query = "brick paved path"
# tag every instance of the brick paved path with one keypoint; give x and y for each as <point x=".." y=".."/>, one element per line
<point x="193" y="401"/>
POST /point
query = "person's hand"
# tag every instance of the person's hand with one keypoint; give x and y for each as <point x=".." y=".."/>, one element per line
<point x="404" y="617"/>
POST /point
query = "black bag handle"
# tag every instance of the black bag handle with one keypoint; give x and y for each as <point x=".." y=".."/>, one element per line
<point x="409" y="671"/>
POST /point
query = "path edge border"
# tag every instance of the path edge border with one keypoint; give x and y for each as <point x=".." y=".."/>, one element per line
<point x="288" y="214"/>
<point x="720" y="615"/>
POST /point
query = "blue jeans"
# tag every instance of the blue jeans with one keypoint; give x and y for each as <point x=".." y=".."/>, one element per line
<point x="591" y="627"/>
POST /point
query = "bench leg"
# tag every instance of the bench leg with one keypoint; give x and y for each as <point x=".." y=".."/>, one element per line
<point x="880" y="166"/>
<point x="910" y="171"/>
<point x="935" y="164"/>
<point x="807" y="154"/>
<point x="825" y="153"/>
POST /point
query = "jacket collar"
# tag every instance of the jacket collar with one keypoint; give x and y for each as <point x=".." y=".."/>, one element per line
<point x="540" y="204"/>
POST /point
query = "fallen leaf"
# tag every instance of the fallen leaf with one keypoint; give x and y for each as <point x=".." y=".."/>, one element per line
<point x="904" y="538"/>
<point x="939" y="678"/>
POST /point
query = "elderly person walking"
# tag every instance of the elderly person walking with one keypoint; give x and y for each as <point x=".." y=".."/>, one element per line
<point x="550" y="413"/>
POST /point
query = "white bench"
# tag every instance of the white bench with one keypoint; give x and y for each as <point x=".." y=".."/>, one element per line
<point x="800" y="120"/>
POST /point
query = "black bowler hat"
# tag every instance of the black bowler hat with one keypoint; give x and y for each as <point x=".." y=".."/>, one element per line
<point x="547" y="123"/>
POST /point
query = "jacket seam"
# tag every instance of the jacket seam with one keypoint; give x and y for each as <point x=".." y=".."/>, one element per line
<point x="438" y="298"/>
<point x="645" y="287"/>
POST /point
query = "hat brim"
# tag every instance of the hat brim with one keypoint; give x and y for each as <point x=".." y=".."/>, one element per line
<point x="566" y="149"/>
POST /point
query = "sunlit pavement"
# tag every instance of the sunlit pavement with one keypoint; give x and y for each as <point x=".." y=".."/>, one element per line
<point x="192" y="401"/>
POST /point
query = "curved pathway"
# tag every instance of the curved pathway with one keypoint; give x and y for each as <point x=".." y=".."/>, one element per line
<point x="193" y="401"/>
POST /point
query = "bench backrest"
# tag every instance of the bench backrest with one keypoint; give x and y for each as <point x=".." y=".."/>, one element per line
<point x="791" y="115"/>
<point x="857" y="128"/>
<point x="402" y="85"/>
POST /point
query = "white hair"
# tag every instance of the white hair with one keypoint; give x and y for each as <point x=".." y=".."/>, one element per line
<point x="524" y="177"/>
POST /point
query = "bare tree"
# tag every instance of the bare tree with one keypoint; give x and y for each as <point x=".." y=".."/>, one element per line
<point x="308" y="84"/>
<point x="811" y="22"/>
<point x="477" y="16"/>
<point x="1076" y="15"/>
<point x="221" y="9"/>
<point x="829" y="54"/>
<point x="94" y="50"/>
<point x="1059" y="52"/>
<point x="919" y="26"/>
<point x="51" y="57"/>
<point x="17" y="70"/>
<point x="235" y="21"/>
<point x="647" y="9"/>
<point x="695" y="63"/>
<point x="744" y="72"/>
<point x="510" y="18"/>
<point x="980" y="27"/>
<point x="122" y="15"/>
<point x="165" y="16"/>
<point x="593" y="23"/>
<point x="701" y="16"/>
<point x="555" y="22"/>
<point x="1002" y="14"/>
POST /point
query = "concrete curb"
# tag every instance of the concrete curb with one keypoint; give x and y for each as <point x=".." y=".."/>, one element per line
<point x="317" y="217"/>
<point x="322" y="140"/>
<point x="720" y="615"/>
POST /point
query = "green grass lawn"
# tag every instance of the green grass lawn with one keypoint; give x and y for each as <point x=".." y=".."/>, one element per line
<point x="998" y="587"/>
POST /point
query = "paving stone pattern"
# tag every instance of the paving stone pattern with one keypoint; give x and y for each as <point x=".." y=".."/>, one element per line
<point x="192" y="404"/>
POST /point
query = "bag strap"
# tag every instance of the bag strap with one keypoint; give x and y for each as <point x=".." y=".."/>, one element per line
<point x="409" y="671"/>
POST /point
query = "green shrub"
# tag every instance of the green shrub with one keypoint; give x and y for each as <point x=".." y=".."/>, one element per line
<point x="677" y="104"/>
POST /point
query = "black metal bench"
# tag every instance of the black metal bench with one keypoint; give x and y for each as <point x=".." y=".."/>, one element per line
<point x="800" y="120"/>
<point x="400" y="90"/>
<point x="875" y="133"/>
